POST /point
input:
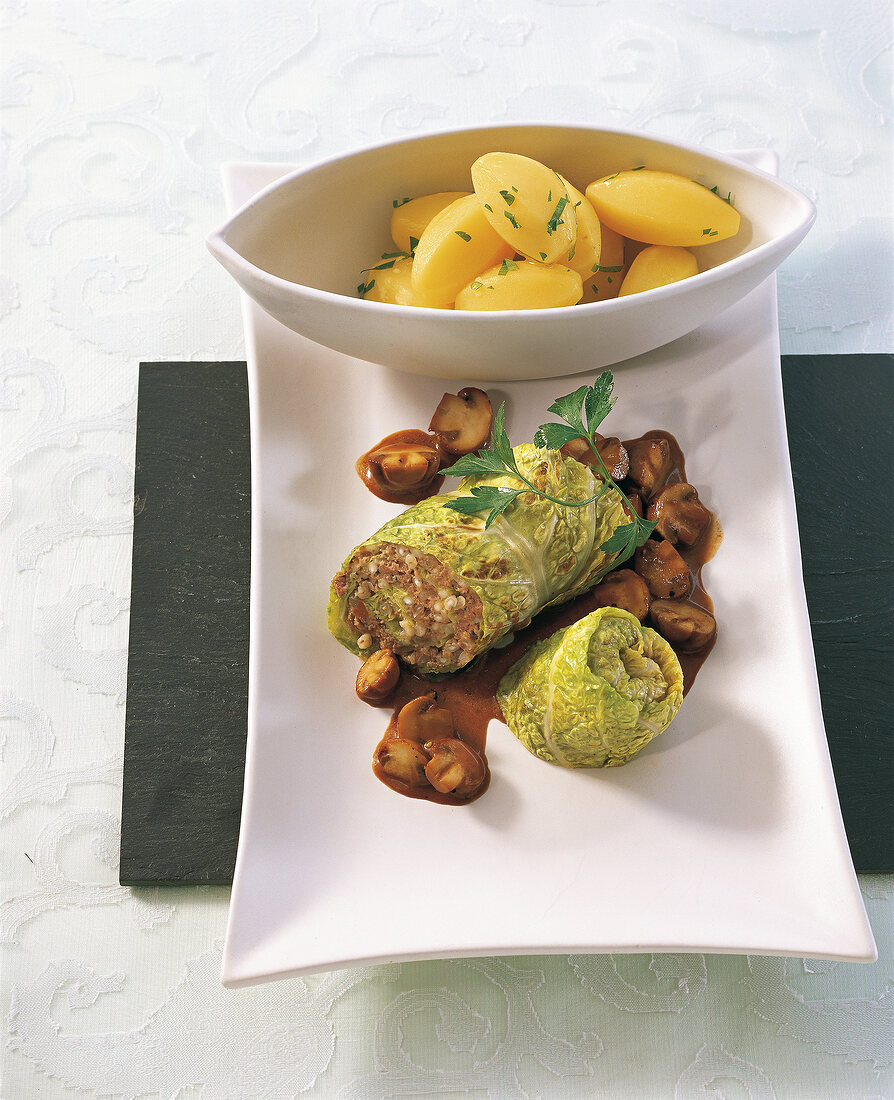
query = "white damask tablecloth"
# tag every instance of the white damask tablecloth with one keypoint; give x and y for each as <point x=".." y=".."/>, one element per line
<point x="116" y="116"/>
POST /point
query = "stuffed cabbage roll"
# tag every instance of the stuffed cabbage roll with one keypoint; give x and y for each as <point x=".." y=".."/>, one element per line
<point x="594" y="693"/>
<point x="438" y="588"/>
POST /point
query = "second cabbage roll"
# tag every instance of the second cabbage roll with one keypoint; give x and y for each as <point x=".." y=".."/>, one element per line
<point x="594" y="693"/>
<point x="439" y="588"/>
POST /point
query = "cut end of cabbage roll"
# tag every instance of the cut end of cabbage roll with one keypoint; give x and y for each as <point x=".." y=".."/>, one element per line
<point x="395" y="597"/>
<point x="593" y="694"/>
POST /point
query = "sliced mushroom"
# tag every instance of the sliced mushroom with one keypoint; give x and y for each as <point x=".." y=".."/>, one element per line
<point x="659" y="563"/>
<point x="454" y="767"/>
<point x="687" y="627"/>
<point x="378" y="676"/>
<point x="611" y="450"/>
<point x="680" y="514"/>
<point x="462" y="421"/>
<point x="650" y="463"/>
<point x="402" y="760"/>
<point x="614" y="454"/>
<point x="578" y="449"/>
<point x="624" y="589"/>
<point x="403" y="468"/>
<point x="404" y="465"/>
<point x="635" y="501"/>
<point x="423" y="720"/>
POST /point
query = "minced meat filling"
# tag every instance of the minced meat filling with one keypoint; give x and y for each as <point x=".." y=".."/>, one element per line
<point x="413" y="604"/>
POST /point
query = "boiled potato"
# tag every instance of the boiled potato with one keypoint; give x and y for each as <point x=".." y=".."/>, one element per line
<point x="526" y="238"/>
<point x="454" y="247"/>
<point x="527" y="204"/>
<point x="605" y="281"/>
<point x="585" y="252"/>
<point x="410" y="218"/>
<point x="522" y="284"/>
<point x="394" y="284"/>
<point x="662" y="208"/>
<point x="658" y="265"/>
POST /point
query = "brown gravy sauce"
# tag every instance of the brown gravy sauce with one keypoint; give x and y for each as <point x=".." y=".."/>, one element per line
<point x="470" y="694"/>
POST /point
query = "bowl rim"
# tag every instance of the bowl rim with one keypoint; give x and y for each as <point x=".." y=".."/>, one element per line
<point x="219" y="246"/>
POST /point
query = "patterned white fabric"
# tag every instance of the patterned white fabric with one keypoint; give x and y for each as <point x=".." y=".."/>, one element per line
<point x="115" y="119"/>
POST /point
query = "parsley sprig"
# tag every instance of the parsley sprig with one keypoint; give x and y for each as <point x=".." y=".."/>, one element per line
<point x="581" y="413"/>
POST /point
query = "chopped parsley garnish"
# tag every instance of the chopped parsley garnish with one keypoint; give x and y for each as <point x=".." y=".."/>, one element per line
<point x="512" y="221"/>
<point x="465" y="236"/>
<point x="399" y="202"/>
<point x="379" y="267"/>
<point x="709" y="232"/>
<point x="571" y="251"/>
<point x="390" y="259"/>
<point x="508" y="198"/>
<point x="487" y="206"/>
<point x="476" y="285"/>
<point x="506" y="266"/>
<point x="364" y="288"/>
<point x="556" y="220"/>
<point x="637" y="168"/>
<point x="543" y="256"/>
<point x="599" y="267"/>
<point x="413" y="242"/>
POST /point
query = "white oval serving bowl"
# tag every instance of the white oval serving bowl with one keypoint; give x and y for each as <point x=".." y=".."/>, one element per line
<point x="299" y="246"/>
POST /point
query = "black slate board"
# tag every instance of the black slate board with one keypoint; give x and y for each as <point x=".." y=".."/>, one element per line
<point x="187" y="676"/>
<point x="187" y="680"/>
<point x="841" y="438"/>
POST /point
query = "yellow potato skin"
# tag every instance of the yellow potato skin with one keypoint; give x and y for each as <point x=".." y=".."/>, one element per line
<point x="586" y="250"/>
<point x="394" y="285"/>
<point x="521" y="197"/>
<point x="662" y="208"/>
<point x="522" y="284"/>
<point x="410" y="218"/>
<point x="445" y="260"/>
<point x="658" y="265"/>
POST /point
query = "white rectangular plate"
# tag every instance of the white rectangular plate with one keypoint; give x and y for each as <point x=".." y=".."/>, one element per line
<point x="724" y="835"/>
